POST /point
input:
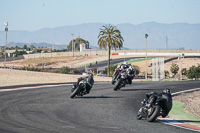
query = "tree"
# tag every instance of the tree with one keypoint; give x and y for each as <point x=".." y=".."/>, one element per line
<point x="65" y="70"/>
<point x="166" y="74"/>
<point x="77" y="43"/>
<point x="17" y="53"/>
<point x="110" y="37"/>
<point x="25" y="47"/>
<point x="184" y="71"/>
<point x="174" y="68"/>
<point x="32" y="47"/>
<point x="193" y="72"/>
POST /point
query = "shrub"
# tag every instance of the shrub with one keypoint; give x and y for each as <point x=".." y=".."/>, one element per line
<point x="166" y="74"/>
<point x="174" y="69"/>
<point x="65" y="70"/>
<point x="137" y="70"/>
<point x="193" y="72"/>
<point x="184" y="71"/>
<point x="112" y="69"/>
<point x="31" y="69"/>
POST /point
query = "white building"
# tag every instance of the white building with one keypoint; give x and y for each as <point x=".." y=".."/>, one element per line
<point x="84" y="47"/>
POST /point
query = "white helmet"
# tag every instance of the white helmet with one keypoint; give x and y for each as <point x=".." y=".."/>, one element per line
<point x="131" y="67"/>
<point x="125" y="63"/>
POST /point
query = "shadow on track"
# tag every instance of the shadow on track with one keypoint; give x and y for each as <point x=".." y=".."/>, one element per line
<point x="95" y="97"/>
<point x="137" y="89"/>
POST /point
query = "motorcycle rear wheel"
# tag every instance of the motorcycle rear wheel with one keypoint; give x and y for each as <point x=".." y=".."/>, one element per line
<point x="154" y="115"/>
<point x="75" y="92"/>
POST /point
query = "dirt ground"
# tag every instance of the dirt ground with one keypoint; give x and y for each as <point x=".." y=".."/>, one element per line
<point x="58" y="62"/>
<point x="191" y="101"/>
<point x="10" y="77"/>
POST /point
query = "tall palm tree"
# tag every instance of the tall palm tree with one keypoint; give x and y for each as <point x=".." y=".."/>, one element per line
<point x="110" y="37"/>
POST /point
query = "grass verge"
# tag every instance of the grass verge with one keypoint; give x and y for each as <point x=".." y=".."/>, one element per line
<point x="177" y="114"/>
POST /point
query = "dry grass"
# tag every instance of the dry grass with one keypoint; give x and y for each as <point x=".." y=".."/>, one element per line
<point x="191" y="101"/>
<point x="11" y="77"/>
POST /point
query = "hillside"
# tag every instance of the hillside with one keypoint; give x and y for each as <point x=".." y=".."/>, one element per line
<point x="179" y="35"/>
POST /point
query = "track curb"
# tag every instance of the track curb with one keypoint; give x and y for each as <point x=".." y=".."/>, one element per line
<point x="173" y="122"/>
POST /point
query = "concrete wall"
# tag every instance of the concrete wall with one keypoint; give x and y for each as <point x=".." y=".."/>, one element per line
<point x="103" y="52"/>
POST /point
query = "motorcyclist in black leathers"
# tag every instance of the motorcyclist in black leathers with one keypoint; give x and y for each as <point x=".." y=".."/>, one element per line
<point x="166" y="94"/>
<point x="90" y="82"/>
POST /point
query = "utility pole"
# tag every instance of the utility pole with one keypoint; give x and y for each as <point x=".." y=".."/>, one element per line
<point x="6" y="30"/>
<point x="72" y="45"/>
<point x="166" y="42"/>
<point x="180" y="57"/>
<point x="146" y="35"/>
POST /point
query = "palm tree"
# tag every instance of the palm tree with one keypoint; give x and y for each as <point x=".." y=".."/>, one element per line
<point x="110" y="37"/>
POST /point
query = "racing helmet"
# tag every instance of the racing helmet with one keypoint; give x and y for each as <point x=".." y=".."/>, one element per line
<point x="125" y="63"/>
<point x="131" y="67"/>
<point x="166" y="90"/>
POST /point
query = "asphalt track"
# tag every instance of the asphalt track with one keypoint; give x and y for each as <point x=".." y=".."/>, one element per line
<point x="112" y="62"/>
<point x="50" y="109"/>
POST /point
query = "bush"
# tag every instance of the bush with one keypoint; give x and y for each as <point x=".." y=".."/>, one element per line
<point x="184" y="71"/>
<point x="65" y="70"/>
<point x="31" y="69"/>
<point x="137" y="70"/>
<point x="112" y="70"/>
<point x="166" y="74"/>
<point x="193" y="72"/>
<point x="174" y="69"/>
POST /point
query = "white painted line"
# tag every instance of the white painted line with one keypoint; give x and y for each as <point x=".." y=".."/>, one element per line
<point x="185" y="91"/>
<point x="41" y="86"/>
<point x="33" y="87"/>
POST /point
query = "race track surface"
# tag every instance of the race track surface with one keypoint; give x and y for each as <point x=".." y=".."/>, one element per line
<point x="51" y="110"/>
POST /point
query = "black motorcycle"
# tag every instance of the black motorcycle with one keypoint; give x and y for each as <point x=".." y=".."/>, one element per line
<point x="123" y="77"/>
<point x="152" y="107"/>
<point x="120" y="81"/>
<point x="80" y="89"/>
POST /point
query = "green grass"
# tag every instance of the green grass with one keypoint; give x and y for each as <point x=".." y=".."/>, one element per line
<point x="178" y="114"/>
<point x="140" y="59"/>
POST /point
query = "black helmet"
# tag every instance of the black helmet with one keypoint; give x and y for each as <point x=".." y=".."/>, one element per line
<point x="166" y="90"/>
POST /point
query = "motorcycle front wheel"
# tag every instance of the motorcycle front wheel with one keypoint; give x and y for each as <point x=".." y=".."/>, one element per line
<point x="154" y="113"/>
<point x="139" y="116"/>
<point x="75" y="92"/>
<point x="117" y="84"/>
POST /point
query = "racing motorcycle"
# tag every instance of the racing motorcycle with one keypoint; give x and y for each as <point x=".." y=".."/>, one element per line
<point x="80" y="88"/>
<point x="121" y="80"/>
<point x="152" y="107"/>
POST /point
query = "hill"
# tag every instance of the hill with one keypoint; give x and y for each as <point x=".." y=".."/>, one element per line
<point x="180" y="35"/>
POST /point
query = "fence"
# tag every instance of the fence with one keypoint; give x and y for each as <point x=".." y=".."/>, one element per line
<point x="96" y="52"/>
<point x="158" y="69"/>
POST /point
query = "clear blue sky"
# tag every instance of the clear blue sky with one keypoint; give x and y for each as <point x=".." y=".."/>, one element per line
<point x="32" y="15"/>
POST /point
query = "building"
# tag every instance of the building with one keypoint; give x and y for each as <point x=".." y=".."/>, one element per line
<point x="84" y="47"/>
